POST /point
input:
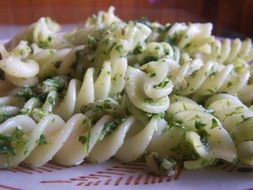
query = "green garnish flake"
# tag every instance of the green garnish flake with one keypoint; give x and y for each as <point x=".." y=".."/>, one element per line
<point x="214" y="123"/>
<point x="42" y="140"/>
<point x="148" y="59"/>
<point x="152" y="74"/>
<point x="138" y="49"/>
<point x="57" y="83"/>
<point x="149" y="100"/>
<point x="199" y="125"/>
<point x="26" y="92"/>
<point x="229" y="84"/>
<point x="110" y="126"/>
<point x="51" y="100"/>
<point x="119" y="48"/>
<point x="38" y="114"/>
<point x="162" y="84"/>
<point x="6" y="114"/>
<point x="10" y="143"/>
<point x="83" y="140"/>
<point x="44" y="44"/>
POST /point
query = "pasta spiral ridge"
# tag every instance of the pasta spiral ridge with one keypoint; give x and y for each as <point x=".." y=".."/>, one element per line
<point x="200" y="79"/>
<point x="237" y="119"/>
<point x="44" y="33"/>
<point x="109" y="82"/>
<point x="194" y="129"/>
<point x="18" y="68"/>
<point x="228" y="51"/>
<point x="69" y="143"/>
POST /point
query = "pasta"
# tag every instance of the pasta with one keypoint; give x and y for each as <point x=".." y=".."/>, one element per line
<point x="237" y="119"/>
<point x="231" y="51"/>
<point x="130" y="90"/>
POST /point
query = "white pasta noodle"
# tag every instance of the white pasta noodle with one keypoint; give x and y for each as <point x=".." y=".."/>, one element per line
<point x="202" y="79"/>
<point x="19" y="69"/>
<point x="229" y="51"/>
<point x="43" y="32"/>
<point x="193" y="132"/>
<point x="237" y="119"/>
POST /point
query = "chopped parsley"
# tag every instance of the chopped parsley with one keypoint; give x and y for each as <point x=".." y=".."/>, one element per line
<point x="229" y="84"/>
<point x="42" y="140"/>
<point x="10" y="143"/>
<point x="162" y="84"/>
<point x="199" y="125"/>
<point x="38" y="114"/>
<point x="7" y="112"/>
<point x="26" y="92"/>
<point x="214" y="123"/>
<point x="85" y="139"/>
<point x="110" y="126"/>
<point x="148" y="59"/>
<point x="152" y="74"/>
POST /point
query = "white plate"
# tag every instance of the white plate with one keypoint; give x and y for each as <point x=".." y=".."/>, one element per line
<point x="116" y="175"/>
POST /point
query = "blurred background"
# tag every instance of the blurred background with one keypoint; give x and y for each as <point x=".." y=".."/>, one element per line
<point x="231" y="18"/>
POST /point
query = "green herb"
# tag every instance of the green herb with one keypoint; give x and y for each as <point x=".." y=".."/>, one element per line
<point x="25" y="111"/>
<point x="199" y="125"/>
<point x="229" y="84"/>
<point x="204" y="135"/>
<point x="152" y="74"/>
<point x="162" y="84"/>
<point x="6" y="112"/>
<point x="138" y="49"/>
<point x="38" y="114"/>
<point x="49" y="38"/>
<point x="57" y="83"/>
<point x="41" y="140"/>
<point x="51" y="100"/>
<point x="92" y="44"/>
<point x="214" y="123"/>
<point x="119" y="48"/>
<point x="44" y="44"/>
<point x="26" y="92"/>
<point x="149" y="100"/>
<point x="210" y="90"/>
<point x="148" y="59"/>
<point x="83" y="140"/>
<point x="10" y="143"/>
<point x="110" y="126"/>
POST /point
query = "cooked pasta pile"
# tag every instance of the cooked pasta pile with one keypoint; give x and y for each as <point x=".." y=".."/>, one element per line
<point x="136" y="89"/>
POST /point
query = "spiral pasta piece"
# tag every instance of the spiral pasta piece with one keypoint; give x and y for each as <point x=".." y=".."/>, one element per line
<point x="149" y="91"/>
<point x="69" y="143"/>
<point x="18" y="68"/>
<point x="198" y="79"/>
<point x="228" y="51"/>
<point x="237" y="119"/>
<point x="109" y="82"/>
<point x="94" y="23"/>
<point x="193" y="130"/>
<point x="43" y="33"/>
<point x="191" y="38"/>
